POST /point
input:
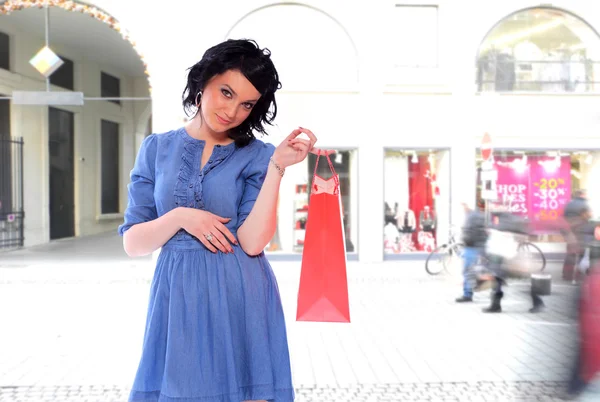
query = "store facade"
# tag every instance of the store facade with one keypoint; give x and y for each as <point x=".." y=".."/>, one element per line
<point x="64" y="167"/>
<point x="537" y="184"/>
<point x="405" y="101"/>
<point x="538" y="91"/>
<point x="417" y="200"/>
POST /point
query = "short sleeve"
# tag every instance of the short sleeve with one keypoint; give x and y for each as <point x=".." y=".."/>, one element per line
<point x="141" y="206"/>
<point x="255" y="175"/>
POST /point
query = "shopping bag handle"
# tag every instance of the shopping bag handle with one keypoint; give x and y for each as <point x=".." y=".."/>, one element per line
<point x="330" y="165"/>
<point x="335" y="176"/>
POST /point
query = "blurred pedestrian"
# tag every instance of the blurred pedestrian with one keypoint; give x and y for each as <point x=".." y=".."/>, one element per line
<point x="506" y="232"/>
<point x="577" y="214"/>
<point x="474" y="237"/>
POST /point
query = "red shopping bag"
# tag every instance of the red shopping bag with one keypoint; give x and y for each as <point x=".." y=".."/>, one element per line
<point x="323" y="292"/>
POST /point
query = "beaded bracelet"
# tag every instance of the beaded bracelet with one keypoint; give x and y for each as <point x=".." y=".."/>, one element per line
<point x="279" y="168"/>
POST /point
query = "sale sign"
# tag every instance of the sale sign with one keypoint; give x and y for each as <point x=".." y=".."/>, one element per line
<point x="551" y="187"/>
<point x="537" y="187"/>
<point x="513" y="186"/>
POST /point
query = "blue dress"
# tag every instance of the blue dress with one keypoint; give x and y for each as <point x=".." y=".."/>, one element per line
<point x="215" y="329"/>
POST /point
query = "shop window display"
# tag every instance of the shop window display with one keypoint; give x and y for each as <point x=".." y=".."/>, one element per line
<point x="300" y="215"/>
<point x="537" y="185"/>
<point x="540" y="49"/>
<point x="416" y="200"/>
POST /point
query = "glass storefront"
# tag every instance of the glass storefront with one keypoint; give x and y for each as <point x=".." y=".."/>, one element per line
<point x="417" y="200"/>
<point x="538" y="184"/>
<point x="294" y="200"/>
<point x="540" y="50"/>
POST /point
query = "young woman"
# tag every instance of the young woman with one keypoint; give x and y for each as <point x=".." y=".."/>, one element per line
<point x="207" y="194"/>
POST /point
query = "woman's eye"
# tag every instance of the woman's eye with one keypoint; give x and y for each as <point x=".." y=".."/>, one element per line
<point x="248" y="106"/>
<point x="226" y="93"/>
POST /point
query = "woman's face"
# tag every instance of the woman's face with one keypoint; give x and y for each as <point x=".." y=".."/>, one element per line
<point x="227" y="100"/>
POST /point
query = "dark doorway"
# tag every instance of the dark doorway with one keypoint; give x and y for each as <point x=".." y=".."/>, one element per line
<point x="6" y="173"/>
<point x="110" y="167"/>
<point x="62" y="176"/>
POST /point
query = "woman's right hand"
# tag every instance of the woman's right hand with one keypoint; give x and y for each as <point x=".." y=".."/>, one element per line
<point x="209" y="228"/>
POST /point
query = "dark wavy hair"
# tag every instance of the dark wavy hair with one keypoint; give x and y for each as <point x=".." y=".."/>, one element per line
<point x="255" y="63"/>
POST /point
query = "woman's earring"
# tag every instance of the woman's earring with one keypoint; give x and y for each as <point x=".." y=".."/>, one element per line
<point x="198" y="96"/>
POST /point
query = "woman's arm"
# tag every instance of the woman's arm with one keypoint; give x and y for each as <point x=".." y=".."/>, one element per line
<point x="144" y="238"/>
<point x="259" y="227"/>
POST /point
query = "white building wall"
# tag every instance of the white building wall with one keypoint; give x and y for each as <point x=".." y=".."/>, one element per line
<point x="403" y="107"/>
<point x="31" y="123"/>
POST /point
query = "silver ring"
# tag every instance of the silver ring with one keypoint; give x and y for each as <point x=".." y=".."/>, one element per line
<point x="209" y="236"/>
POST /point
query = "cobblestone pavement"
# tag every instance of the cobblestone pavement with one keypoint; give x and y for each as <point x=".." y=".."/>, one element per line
<point x="478" y="391"/>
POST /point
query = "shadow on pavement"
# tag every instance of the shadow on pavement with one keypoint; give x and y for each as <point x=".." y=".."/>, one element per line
<point x="101" y="248"/>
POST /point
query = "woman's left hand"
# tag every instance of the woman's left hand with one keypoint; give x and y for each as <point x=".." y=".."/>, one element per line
<point x="294" y="150"/>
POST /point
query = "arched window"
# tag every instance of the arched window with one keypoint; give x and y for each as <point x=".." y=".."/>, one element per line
<point x="310" y="49"/>
<point x="540" y="50"/>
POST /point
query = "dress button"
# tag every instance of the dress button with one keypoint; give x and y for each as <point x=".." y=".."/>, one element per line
<point x="209" y="161"/>
<point x="191" y="185"/>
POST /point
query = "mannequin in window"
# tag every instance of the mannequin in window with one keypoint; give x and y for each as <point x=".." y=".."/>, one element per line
<point x="407" y="224"/>
<point x="386" y="211"/>
<point x="487" y="69"/>
<point x="391" y="236"/>
<point x="406" y="221"/>
<point x="427" y="226"/>
<point x="505" y="71"/>
<point x="427" y="220"/>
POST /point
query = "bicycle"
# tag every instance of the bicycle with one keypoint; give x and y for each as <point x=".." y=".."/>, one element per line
<point x="444" y="256"/>
<point x="450" y="253"/>
<point x="529" y="252"/>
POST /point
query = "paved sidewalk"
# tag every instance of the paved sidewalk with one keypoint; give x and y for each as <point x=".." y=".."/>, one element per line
<point x="73" y="333"/>
<point x="475" y="392"/>
<point x="100" y="248"/>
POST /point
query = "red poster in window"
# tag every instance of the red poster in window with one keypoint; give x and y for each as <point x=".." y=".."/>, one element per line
<point x="550" y="188"/>
<point x="421" y="198"/>
<point x="323" y="291"/>
<point x="537" y="188"/>
<point x="512" y="185"/>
